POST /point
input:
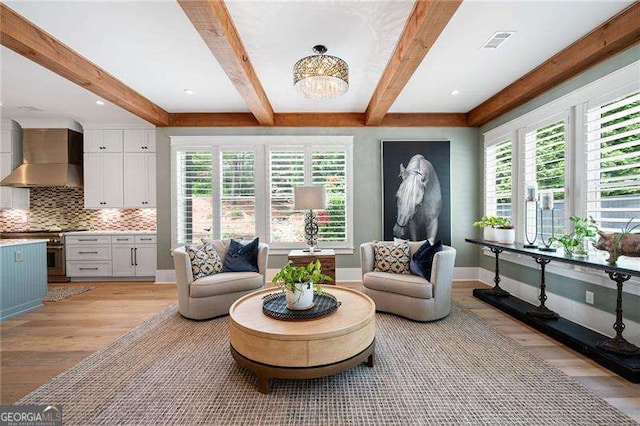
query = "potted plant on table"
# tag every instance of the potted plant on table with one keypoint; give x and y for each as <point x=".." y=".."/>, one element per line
<point x="489" y="224"/>
<point x="298" y="284"/>
<point x="584" y="231"/>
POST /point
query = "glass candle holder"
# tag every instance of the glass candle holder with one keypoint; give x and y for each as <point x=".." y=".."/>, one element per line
<point x="546" y="200"/>
<point x="532" y="192"/>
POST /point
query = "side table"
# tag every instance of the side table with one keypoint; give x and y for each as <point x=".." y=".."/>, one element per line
<point x="327" y="258"/>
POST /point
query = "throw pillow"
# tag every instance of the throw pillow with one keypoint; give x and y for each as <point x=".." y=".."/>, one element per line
<point x="390" y="257"/>
<point x="242" y="257"/>
<point x="422" y="259"/>
<point x="205" y="260"/>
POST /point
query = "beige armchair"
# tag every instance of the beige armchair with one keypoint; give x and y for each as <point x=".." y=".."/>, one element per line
<point x="212" y="296"/>
<point x="408" y="295"/>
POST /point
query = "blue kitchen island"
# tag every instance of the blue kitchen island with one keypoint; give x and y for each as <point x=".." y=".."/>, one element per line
<point x="23" y="276"/>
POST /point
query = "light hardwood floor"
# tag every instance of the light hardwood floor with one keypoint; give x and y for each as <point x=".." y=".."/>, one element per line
<point x="38" y="345"/>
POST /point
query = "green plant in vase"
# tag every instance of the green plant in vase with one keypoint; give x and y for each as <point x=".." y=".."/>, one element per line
<point x="584" y="231"/>
<point x="567" y="241"/>
<point x="298" y="283"/>
<point x="489" y="225"/>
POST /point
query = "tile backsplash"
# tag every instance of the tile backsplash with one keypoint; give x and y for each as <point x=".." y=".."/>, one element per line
<point x="64" y="208"/>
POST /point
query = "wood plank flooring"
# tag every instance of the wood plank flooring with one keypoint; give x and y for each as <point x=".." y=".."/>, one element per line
<point x="38" y="345"/>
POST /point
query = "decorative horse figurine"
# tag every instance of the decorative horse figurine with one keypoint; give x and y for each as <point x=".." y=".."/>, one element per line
<point x="419" y="201"/>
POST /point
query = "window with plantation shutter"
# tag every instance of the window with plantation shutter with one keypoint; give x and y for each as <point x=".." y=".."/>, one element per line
<point x="613" y="162"/>
<point x="329" y="169"/>
<point x="545" y="164"/>
<point x="498" y="179"/>
<point x="242" y="187"/>
<point x="194" y="190"/>
<point x="237" y="195"/>
<point x="287" y="171"/>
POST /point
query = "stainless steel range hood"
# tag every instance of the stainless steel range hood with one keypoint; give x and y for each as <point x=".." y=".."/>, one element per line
<point x="51" y="157"/>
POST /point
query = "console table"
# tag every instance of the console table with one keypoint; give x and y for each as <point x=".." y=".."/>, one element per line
<point x="616" y="353"/>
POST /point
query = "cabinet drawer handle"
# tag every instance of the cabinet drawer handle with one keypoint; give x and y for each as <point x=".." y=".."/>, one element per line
<point x="87" y="239"/>
<point x="88" y="269"/>
<point x="131" y="257"/>
<point x="87" y="252"/>
<point x="135" y="256"/>
<point x="145" y="239"/>
<point x="122" y="239"/>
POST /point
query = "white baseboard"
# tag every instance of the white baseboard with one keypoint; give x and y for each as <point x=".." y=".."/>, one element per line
<point x="165" y="276"/>
<point x="580" y="313"/>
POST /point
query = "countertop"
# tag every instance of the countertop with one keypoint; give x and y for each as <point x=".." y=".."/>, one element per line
<point x="111" y="233"/>
<point x="19" y="242"/>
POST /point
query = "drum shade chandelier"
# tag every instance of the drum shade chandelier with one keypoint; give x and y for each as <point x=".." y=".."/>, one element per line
<point x="321" y="76"/>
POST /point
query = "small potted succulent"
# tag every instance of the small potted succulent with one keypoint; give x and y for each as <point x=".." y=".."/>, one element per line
<point x="489" y="224"/>
<point x="298" y="283"/>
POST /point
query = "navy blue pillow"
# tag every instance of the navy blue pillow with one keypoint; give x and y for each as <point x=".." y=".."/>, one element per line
<point x="422" y="259"/>
<point x="241" y="257"/>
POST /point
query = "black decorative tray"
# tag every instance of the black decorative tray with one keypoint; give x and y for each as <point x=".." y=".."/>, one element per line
<point x="275" y="306"/>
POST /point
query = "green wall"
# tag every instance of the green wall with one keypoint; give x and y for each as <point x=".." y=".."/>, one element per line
<point x="604" y="298"/>
<point x="465" y="192"/>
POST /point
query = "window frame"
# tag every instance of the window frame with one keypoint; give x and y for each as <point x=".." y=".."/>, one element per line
<point x="574" y="106"/>
<point x="262" y="146"/>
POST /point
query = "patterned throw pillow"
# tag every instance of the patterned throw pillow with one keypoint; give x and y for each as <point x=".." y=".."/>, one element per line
<point x="390" y="257"/>
<point x="205" y="260"/>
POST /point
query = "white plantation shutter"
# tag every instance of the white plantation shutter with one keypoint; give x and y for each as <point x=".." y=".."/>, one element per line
<point x="329" y="169"/>
<point x="498" y="179"/>
<point x="194" y="183"/>
<point x="613" y="162"/>
<point x="545" y="163"/>
<point x="237" y="195"/>
<point x="286" y="172"/>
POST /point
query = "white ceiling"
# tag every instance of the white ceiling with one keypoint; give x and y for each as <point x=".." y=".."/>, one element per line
<point x="456" y="61"/>
<point x="23" y="83"/>
<point x="153" y="48"/>
<point x="278" y="34"/>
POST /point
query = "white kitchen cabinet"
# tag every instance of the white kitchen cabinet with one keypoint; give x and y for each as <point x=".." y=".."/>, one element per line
<point x="139" y="180"/>
<point x="103" y="140"/>
<point x="10" y="159"/>
<point x="103" y="180"/>
<point x="115" y="255"/>
<point x="140" y="140"/>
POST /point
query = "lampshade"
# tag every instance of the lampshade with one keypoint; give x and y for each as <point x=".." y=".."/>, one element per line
<point x="321" y="76"/>
<point x="308" y="197"/>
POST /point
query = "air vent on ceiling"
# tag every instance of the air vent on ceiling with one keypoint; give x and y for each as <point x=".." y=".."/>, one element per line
<point x="30" y="109"/>
<point x="497" y="39"/>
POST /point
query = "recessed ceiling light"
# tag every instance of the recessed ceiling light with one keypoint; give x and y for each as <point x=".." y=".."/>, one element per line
<point x="455" y="92"/>
<point x="188" y="92"/>
<point x="100" y="103"/>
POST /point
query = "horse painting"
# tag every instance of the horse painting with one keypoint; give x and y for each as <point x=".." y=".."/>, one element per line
<point x="419" y="201"/>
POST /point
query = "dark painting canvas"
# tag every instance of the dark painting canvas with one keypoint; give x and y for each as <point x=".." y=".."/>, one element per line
<point x="416" y="185"/>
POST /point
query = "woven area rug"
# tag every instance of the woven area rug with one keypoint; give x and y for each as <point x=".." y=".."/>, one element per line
<point x="455" y="371"/>
<point x="58" y="293"/>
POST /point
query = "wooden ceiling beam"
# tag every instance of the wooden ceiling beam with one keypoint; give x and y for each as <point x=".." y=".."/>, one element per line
<point x="204" y="119"/>
<point x="426" y="22"/>
<point x="617" y="34"/>
<point x="28" y="40"/>
<point x="214" y="24"/>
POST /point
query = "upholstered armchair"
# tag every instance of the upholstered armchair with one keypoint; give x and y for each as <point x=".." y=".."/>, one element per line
<point x="408" y="295"/>
<point x="213" y="295"/>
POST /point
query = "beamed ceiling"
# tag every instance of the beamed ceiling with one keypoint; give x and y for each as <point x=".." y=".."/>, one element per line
<point x="405" y="59"/>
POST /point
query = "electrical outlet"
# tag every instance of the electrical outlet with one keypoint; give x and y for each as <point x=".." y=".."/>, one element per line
<point x="589" y="297"/>
<point x="18" y="256"/>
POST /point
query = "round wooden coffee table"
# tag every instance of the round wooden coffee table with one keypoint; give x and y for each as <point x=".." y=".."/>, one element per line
<point x="302" y="349"/>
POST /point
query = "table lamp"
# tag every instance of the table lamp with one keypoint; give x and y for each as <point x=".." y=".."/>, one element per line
<point x="309" y="198"/>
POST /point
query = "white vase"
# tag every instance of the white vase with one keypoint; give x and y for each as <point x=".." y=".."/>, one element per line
<point x="489" y="233"/>
<point x="302" y="298"/>
<point x="506" y="236"/>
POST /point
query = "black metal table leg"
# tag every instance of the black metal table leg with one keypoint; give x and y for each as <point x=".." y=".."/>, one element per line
<point x="497" y="290"/>
<point x="542" y="311"/>
<point x="618" y="345"/>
